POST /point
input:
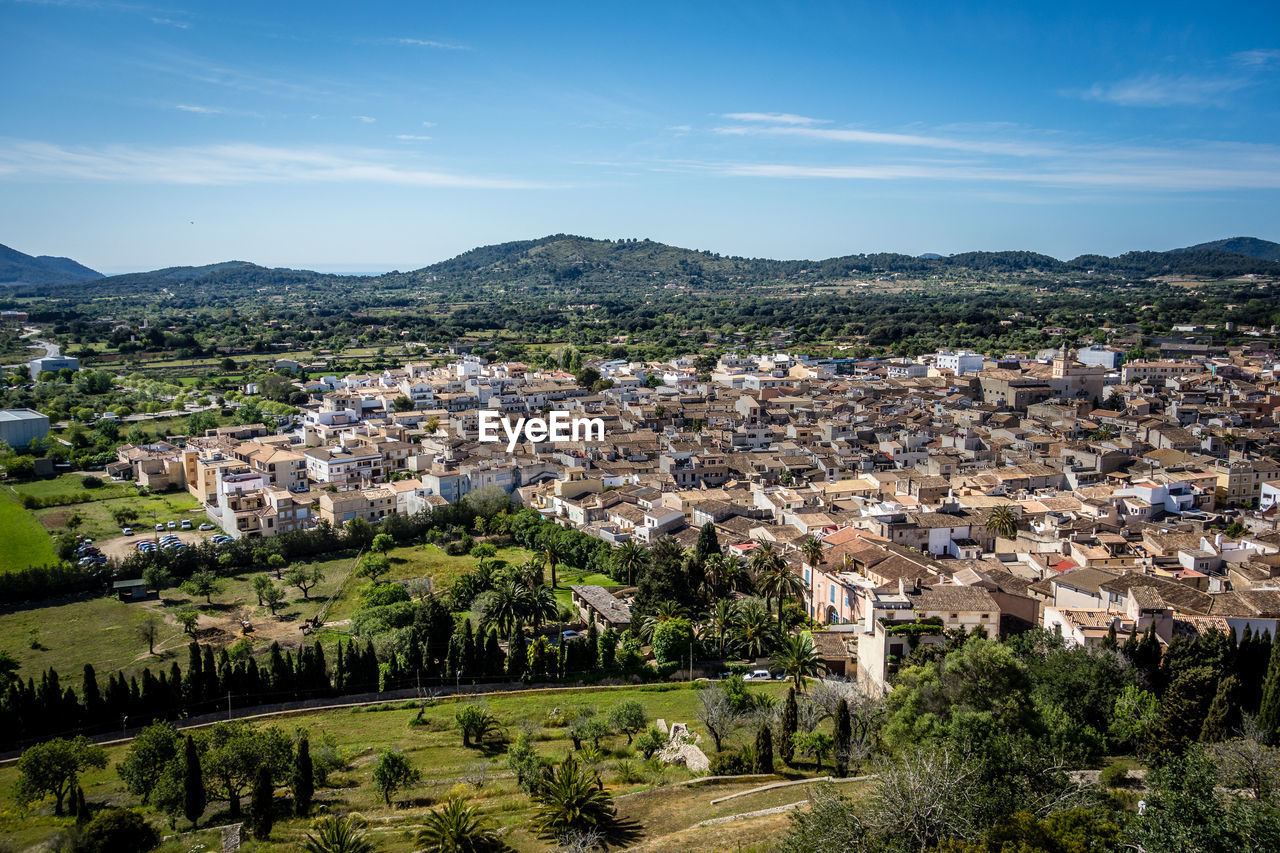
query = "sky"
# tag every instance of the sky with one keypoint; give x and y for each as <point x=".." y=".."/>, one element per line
<point x="376" y="136"/>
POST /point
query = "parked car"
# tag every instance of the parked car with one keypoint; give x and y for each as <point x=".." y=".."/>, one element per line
<point x="185" y="524"/>
<point x="206" y="526"/>
<point x="173" y="525"/>
<point x="128" y="531"/>
<point x="758" y="675"/>
<point x="159" y="527"/>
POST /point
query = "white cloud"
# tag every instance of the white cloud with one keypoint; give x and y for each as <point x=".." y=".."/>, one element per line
<point x="221" y="165"/>
<point x="1160" y="90"/>
<point x="1257" y="58"/>
<point x="366" y="119"/>
<point x="776" y="118"/>
<point x="410" y="137"/>
<point x="440" y="45"/>
<point x="1207" y="168"/>
<point x="428" y="124"/>
<point x="169" y="22"/>
<point x="194" y="108"/>
<point x="868" y="137"/>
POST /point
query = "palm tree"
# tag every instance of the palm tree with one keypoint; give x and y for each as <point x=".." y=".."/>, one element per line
<point x="630" y="558"/>
<point x="721" y="624"/>
<point x="458" y="828"/>
<point x="506" y="606"/>
<point x="542" y="606"/>
<point x="798" y="658"/>
<point x="779" y="583"/>
<point x="756" y="632"/>
<point x="1002" y="522"/>
<point x="571" y="801"/>
<point x="763" y="559"/>
<point x="664" y="611"/>
<point x="339" y="835"/>
<point x="552" y="555"/>
<point x="531" y="572"/>
<point x="812" y="550"/>
<point x="723" y="575"/>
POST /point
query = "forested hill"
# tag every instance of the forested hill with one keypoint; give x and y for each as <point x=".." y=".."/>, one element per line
<point x="22" y="268"/>
<point x="1251" y="246"/>
<point x="593" y="265"/>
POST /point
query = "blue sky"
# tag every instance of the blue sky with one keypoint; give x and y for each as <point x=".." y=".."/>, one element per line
<point x="374" y="136"/>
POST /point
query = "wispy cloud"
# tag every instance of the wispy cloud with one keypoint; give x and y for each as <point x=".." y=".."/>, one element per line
<point x="195" y="108"/>
<point x="157" y="16"/>
<point x="775" y="118"/>
<point x="1180" y="177"/>
<point x="1209" y="86"/>
<point x="908" y="140"/>
<point x="1261" y="58"/>
<point x="439" y="45"/>
<point x="411" y="137"/>
<point x="1161" y="90"/>
<point x="235" y="164"/>
<point x="365" y="119"/>
<point x="993" y="154"/>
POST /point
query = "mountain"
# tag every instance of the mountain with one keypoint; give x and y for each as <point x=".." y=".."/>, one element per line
<point x="596" y="271"/>
<point x="19" y="268"/>
<point x="1251" y="246"/>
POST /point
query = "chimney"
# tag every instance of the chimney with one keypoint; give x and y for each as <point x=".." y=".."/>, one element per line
<point x="902" y="586"/>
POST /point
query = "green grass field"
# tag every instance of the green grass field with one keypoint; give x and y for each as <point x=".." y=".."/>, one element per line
<point x="418" y="561"/>
<point x="70" y="485"/>
<point x="25" y="542"/>
<point x="97" y="522"/>
<point x="100" y="631"/>
<point x="646" y="794"/>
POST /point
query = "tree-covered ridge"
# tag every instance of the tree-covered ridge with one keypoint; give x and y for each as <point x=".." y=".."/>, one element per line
<point x="561" y="259"/>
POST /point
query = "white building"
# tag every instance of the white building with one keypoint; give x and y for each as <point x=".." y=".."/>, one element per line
<point x="958" y="363"/>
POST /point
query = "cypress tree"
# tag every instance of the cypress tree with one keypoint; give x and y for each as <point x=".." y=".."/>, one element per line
<point x="193" y="793"/>
<point x="302" y="783"/>
<point x="453" y="657"/>
<point x="517" y="657"/>
<point x="1254" y="654"/>
<point x="1269" y="711"/>
<point x="790" y="722"/>
<point x="593" y="645"/>
<point x="340" y="672"/>
<point x="708" y="542"/>
<point x="261" y="814"/>
<point x="1111" y="641"/>
<point x="764" y="749"/>
<point x="81" y="808"/>
<point x="468" y="657"/>
<point x="493" y="657"/>
<point x="1224" y="712"/>
<point x="844" y="738"/>
<point x="89" y="694"/>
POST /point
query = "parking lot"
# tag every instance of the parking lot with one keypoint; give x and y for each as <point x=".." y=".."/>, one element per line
<point x="120" y="547"/>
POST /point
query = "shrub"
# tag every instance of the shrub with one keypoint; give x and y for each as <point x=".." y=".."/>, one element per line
<point x="118" y="831"/>
<point x="1114" y="775"/>
<point x="91" y="482"/>
<point x="628" y="773"/>
<point x="730" y="762"/>
<point x="650" y="742"/>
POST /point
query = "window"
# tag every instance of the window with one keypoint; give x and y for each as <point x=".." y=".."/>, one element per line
<point x="832" y="595"/>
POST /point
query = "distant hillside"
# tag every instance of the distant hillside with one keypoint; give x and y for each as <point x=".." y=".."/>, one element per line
<point x="19" y="268"/>
<point x="600" y="270"/>
<point x="1251" y="246"/>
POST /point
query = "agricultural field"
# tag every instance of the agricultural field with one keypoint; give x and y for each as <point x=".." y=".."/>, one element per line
<point x="26" y="543"/>
<point x="646" y="792"/>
